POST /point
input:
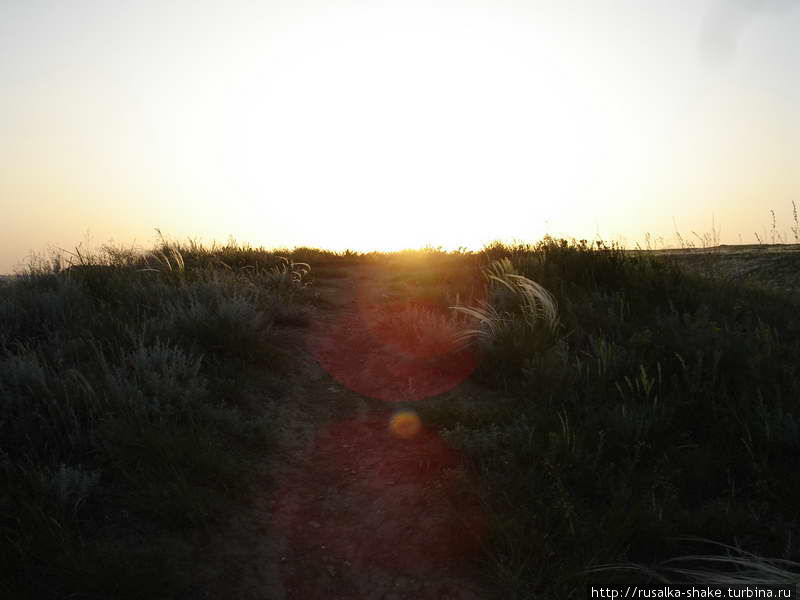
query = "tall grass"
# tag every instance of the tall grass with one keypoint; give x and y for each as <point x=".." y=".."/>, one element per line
<point x="625" y="403"/>
<point x="518" y="320"/>
<point x="658" y="404"/>
<point x="731" y="565"/>
<point x="121" y="421"/>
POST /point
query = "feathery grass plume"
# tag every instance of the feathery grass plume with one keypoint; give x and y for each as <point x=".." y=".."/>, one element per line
<point x="525" y="308"/>
<point x="498" y="269"/>
<point x="162" y="257"/>
<point x="735" y="567"/>
<point x="292" y="272"/>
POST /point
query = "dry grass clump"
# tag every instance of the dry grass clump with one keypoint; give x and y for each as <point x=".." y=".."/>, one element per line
<point x="424" y="332"/>
<point x="517" y="321"/>
<point x="734" y="566"/>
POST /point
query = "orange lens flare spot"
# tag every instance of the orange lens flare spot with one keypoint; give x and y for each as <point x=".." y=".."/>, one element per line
<point x="405" y="424"/>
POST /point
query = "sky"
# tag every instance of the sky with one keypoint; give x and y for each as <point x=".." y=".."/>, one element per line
<point x="390" y="124"/>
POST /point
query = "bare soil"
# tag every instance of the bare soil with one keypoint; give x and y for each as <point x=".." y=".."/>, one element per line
<point x="359" y="500"/>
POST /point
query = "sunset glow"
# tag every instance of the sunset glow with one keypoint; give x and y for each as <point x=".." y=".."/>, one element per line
<point x="395" y="124"/>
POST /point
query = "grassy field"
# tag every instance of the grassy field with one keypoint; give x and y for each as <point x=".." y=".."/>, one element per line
<point x="123" y="422"/>
<point x="626" y="406"/>
<point x="664" y="406"/>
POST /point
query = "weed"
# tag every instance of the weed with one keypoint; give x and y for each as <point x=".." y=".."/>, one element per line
<point x="664" y="405"/>
<point x="115" y="436"/>
<point x="518" y="321"/>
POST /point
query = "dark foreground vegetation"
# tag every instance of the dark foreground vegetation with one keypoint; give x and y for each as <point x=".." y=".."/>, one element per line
<point x="646" y="406"/>
<point x="664" y="406"/>
<point x="122" y="421"/>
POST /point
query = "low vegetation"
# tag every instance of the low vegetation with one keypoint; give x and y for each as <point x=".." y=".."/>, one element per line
<point x="623" y="412"/>
<point x="122" y="420"/>
<point x="652" y="406"/>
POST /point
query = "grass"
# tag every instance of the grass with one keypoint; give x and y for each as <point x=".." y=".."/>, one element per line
<point x="658" y="404"/>
<point x="730" y="565"/>
<point x="518" y="319"/>
<point x="122" y="420"/>
<point x="624" y="412"/>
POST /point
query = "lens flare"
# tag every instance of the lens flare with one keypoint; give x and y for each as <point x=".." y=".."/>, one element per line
<point x="405" y="424"/>
<point x="390" y="350"/>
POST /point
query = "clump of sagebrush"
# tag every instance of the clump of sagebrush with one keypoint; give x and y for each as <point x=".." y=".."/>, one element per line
<point x="669" y="406"/>
<point x="118" y="423"/>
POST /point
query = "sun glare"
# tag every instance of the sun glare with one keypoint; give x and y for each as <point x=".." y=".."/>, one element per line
<point x="392" y="130"/>
<point x="391" y="124"/>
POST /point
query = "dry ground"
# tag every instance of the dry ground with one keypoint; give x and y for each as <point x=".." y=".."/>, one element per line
<point x="349" y="507"/>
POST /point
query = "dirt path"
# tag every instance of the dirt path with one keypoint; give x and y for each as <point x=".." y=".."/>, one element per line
<point x="364" y="502"/>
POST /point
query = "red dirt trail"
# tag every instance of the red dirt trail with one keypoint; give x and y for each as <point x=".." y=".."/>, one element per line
<point x="359" y="500"/>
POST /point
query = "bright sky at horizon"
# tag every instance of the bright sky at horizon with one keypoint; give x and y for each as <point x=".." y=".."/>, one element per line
<point x="395" y="123"/>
